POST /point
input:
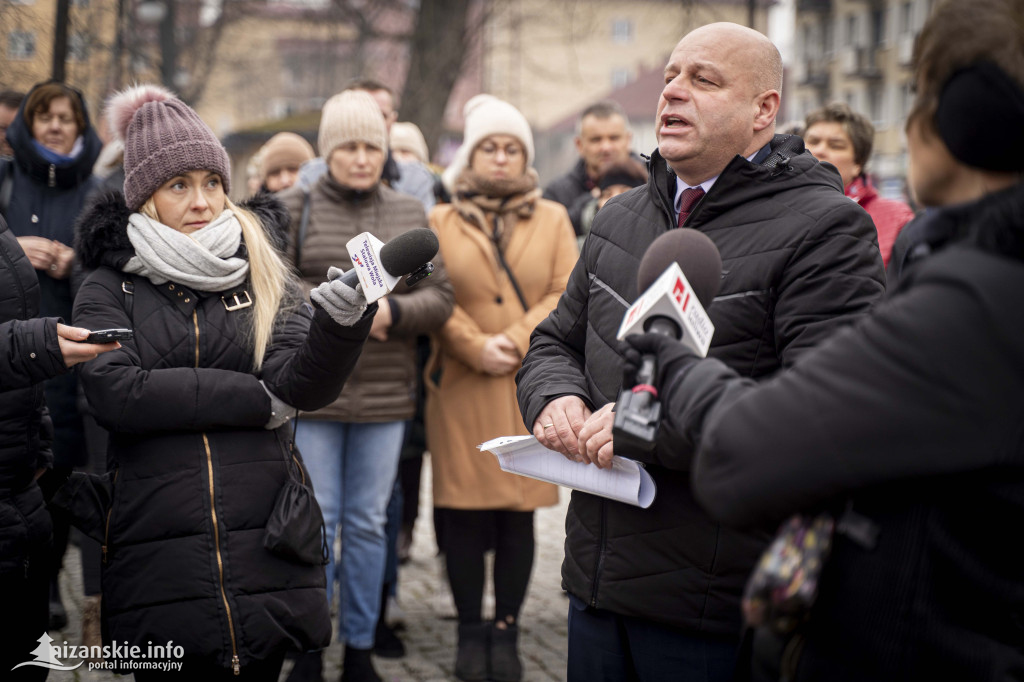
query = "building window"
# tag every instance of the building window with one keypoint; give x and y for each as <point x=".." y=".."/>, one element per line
<point x="876" y="107"/>
<point x="78" y="47"/>
<point x="620" y="77"/>
<point x="850" y="34"/>
<point x="907" y="17"/>
<point x="21" y="45"/>
<point x="622" y="31"/>
<point x="878" y="28"/>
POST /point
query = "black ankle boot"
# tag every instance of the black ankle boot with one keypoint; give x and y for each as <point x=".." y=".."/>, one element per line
<point x="357" y="666"/>
<point x="505" y="663"/>
<point x="58" y="615"/>
<point x="309" y="667"/>
<point x="386" y="643"/>
<point x="471" y="659"/>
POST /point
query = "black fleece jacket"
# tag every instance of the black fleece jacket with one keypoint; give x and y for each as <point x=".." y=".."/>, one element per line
<point x="799" y="261"/>
<point x="914" y="414"/>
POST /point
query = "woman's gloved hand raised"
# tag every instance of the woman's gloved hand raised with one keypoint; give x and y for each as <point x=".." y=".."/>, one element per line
<point x="344" y="304"/>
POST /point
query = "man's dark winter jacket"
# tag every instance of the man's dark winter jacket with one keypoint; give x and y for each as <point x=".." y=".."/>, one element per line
<point x="914" y="414"/>
<point x="197" y="474"/>
<point x="45" y="200"/>
<point x="29" y="354"/>
<point x="572" y="190"/>
<point x="799" y="261"/>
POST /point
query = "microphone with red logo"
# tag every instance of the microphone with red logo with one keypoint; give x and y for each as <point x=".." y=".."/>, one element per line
<point x="679" y="276"/>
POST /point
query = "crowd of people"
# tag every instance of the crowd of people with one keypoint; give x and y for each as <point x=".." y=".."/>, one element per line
<point x="831" y="480"/>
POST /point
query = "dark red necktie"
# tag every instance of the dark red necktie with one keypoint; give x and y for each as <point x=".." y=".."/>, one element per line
<point x="687" y="200"/>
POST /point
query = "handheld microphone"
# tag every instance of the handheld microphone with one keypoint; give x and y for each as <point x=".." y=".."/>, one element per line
<point x="672" y="304"/>
<point x="379" y="266"/>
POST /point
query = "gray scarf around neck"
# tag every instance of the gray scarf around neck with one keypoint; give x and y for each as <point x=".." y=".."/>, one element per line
<point x="203" y="260"/>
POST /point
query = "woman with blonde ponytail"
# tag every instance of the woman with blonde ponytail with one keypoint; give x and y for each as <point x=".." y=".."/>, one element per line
<point x="224" y="352"/>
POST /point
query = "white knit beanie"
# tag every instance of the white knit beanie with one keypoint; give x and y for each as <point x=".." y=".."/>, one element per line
<point x="487" y="115"/>
<point x="351" y="116"/>
<point x="407" y="137"/>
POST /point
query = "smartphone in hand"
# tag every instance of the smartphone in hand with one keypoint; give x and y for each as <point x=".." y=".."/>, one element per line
<point x="109" y="336"/>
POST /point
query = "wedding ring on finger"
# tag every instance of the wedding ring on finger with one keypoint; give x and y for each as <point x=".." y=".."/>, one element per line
<point x="548" y="426"/>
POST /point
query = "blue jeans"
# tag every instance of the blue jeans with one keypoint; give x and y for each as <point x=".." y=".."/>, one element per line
<point x="353" y="469"/>
<point x="607" y="647"/>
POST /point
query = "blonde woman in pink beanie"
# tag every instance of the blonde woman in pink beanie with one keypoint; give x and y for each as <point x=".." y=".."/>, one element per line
<point x="196" y="401"/>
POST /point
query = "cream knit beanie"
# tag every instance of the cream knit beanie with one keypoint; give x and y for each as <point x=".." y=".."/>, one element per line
<point x="351" y="116"/>
<point x="487" y="115"/>
<point x="407" y="137"/>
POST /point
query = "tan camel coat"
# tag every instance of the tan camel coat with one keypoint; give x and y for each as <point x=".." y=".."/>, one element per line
<point x="469" y="407"/>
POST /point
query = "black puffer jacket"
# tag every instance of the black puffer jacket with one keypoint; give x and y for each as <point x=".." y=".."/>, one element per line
<point x="29" y="354"/>
<point x="917" y="414"/>
<point x="197" y="474"/>
<point x="799" y="261"/>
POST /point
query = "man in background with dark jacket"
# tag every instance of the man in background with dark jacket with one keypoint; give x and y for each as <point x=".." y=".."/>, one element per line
<point x="603" y="139"/>
<point x="655" y="593"/>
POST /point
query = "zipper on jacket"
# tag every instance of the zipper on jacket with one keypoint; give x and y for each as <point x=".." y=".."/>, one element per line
<point x="53" y="176"/>
<point x="600" y="551"/>
<point x="195" y="324"/>
<point x="236" y="668"/>
<point x="106" y="526"/>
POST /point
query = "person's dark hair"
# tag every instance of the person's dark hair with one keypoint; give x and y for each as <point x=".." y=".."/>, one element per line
<point x="602" y="110"/>
<point x="996" y="35"/>
<point x="40" y="98"/>
<point x="856" y="126"/>
<point x="630" y="173"/>
<point x="11" y="98"/>
<point x="369" y="85"/>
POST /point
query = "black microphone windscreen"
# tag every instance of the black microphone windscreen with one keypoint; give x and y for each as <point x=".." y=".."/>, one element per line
<point x="696" y="255"/>
<point x="408" y="251"/>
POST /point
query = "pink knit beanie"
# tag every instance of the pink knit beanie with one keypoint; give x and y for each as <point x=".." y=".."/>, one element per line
<point x="163" y="137"/>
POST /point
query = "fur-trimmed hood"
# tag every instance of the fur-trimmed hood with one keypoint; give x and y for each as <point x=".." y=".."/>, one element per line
<point x="101" y="235"/>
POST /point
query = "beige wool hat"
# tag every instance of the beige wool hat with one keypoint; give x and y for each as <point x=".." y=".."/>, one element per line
<point x="283" y="150"/>
<point x="487" y="115"/>
<point x="351" y="116"/>
<point x="407" y="137"/>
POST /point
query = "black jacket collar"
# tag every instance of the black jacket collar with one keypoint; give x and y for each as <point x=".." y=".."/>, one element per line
<point x="787" y="165"/>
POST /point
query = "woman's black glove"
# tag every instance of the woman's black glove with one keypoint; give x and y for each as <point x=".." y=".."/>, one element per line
<point x="672" y="357"/>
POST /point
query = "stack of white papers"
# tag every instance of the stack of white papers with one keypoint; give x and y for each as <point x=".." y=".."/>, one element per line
<point x="626" y="481"/>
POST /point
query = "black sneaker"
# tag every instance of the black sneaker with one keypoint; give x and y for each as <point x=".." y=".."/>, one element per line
<point x="387" y="644"/>
<point x="357" y="666"/>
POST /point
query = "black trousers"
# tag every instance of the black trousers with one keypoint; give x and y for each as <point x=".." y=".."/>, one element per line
<point x="468" y="534"/>
<point x="25" y="595"/>
<point x="608" y="647"/>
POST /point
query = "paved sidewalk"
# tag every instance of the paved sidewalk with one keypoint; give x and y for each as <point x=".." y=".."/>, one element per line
<point x="429" y="633"/>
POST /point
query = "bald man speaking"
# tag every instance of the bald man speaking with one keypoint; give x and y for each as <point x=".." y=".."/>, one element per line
<point x="655" y="593"/>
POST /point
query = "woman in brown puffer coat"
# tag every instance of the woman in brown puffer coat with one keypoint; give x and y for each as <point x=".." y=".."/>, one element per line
<point x="508" y="253"/>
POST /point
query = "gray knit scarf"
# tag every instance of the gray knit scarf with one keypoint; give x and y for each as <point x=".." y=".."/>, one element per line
<point x="204" y="260"/>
